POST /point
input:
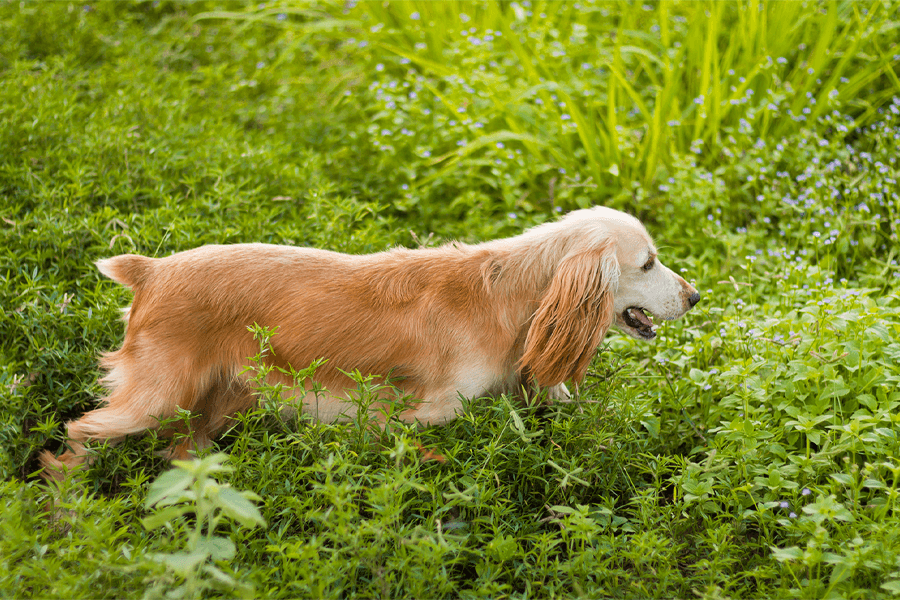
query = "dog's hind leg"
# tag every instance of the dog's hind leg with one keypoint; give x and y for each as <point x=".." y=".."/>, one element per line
<point x="111" y="423"/>
<point x="140" y="398"/>
<point x="225" y="397"/>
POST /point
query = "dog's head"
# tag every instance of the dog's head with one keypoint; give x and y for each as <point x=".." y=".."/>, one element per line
<point x="609" y="274"/>
<point x="645" y="287"/>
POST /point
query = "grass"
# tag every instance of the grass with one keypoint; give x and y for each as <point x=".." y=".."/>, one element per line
<point x="751" y="451"/>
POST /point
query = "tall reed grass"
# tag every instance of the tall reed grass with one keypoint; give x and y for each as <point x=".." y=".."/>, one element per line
<point x="623" y="89"/>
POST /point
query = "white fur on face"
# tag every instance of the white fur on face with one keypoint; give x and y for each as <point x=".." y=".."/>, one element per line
<point x="644" y="282"/>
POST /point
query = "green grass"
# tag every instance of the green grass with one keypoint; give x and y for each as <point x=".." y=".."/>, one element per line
<point x="751" y="451"/>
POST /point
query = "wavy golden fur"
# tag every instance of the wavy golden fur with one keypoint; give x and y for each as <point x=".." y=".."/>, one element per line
<point x="460" y="320"/>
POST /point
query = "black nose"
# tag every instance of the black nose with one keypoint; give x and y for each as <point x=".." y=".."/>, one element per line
<point x="694" y="299"/>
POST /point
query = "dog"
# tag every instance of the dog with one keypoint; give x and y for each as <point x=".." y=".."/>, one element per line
<point x="500" y="317"/>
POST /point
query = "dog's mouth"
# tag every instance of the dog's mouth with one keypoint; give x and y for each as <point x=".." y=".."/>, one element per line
<point x="639" y="322"/>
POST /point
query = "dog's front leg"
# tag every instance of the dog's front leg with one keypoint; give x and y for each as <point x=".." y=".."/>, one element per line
<point x="559" y="393"/>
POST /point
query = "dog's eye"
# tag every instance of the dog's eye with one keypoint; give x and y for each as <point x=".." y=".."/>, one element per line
<point x="648" y="265"/>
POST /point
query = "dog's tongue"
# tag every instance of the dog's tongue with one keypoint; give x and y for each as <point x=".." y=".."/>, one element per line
<point x="639" y="316"/>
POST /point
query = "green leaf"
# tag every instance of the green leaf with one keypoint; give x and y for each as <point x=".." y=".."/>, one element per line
<point x="518" y="425"/>
<point x="169" y="486"/>
<point x="651" y="423"/>
<point x="219" y="574"/>
<point x="503" y="548"/>
<point x="563" y="510"/>
<point x="842" y="478"/>
<point x="218" y="548"/>
<point x="840" y="572"/>
<point x="834" y="390"/>
<point x="568" y="475"/>
<point x="786" y="554"/>
<point x="163" y="516"/>
<point x="181" y="562"/>
<point x="466" y="496"/>
<point x="239" y="508"/>
<point x="697" y="375"/>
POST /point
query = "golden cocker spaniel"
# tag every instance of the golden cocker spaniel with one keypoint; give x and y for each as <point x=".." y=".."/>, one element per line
<point x="460" y="320"/>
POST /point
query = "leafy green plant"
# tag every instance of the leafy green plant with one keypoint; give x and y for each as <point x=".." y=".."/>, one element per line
<point x="190" y="487"/>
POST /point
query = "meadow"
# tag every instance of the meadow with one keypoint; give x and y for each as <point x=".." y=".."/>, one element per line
<point x="751" y="451"/>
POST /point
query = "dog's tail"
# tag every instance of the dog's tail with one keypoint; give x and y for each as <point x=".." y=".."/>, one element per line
<point x="130" y="270"/>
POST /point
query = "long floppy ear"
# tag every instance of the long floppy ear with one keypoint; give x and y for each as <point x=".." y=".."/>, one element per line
<point x="574" y="315"/>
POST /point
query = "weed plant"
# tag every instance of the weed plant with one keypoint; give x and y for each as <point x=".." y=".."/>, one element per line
<point x="751" y="451"/>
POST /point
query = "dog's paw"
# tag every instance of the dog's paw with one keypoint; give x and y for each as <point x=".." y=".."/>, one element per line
<point x="559" y="393"/>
